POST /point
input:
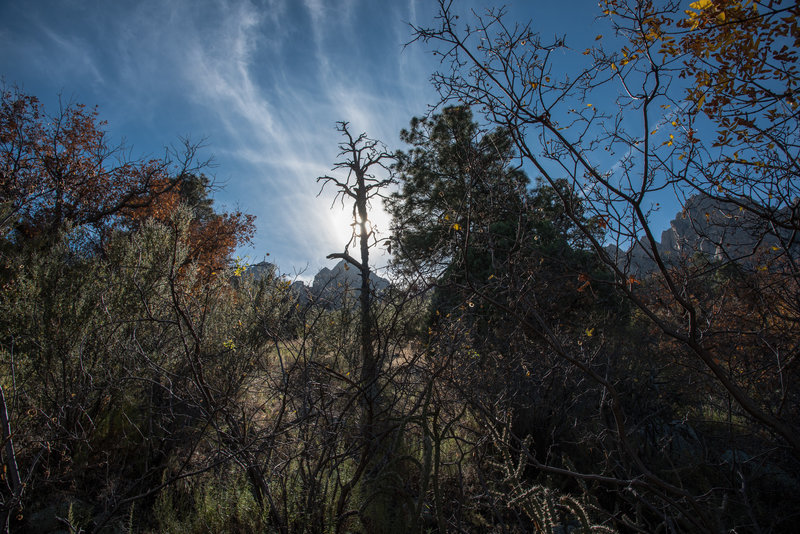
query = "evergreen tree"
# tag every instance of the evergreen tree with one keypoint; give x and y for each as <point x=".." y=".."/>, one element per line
<point x="461" y="198"/>
<point x="466" y="216"/>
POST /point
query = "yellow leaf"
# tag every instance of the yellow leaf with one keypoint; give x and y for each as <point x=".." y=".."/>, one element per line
<point x="456" y="226"/>
<point x="613" y="66"/>
<point x="446" y="217"/>
<point x="589" y="332"/>
<point x="700" y="4"/>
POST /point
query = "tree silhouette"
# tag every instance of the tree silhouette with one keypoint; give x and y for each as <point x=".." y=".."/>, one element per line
<point x="624" y="156"/>
<point x="362" y="158"/>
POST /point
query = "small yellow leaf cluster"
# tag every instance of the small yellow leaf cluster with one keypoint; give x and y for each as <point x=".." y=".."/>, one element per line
<point x="700" y="5"/>
<point x="698" y="8"/>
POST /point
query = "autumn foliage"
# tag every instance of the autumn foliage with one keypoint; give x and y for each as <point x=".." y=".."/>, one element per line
<point x="61" y="169"/>
<point x="212" y="241"/>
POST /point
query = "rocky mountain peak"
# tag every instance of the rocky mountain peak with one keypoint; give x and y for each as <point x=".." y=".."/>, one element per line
<point x="720" y="230"/>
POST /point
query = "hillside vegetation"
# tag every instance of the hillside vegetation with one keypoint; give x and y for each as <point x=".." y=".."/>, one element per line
<point x="539" y="362"/>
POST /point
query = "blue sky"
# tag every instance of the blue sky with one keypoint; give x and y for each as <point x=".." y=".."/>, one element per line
<point x="262" y="81"/>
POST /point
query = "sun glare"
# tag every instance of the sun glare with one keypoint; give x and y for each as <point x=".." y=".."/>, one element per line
<point x="341" y="228"/>
<point x="342" y="225"/>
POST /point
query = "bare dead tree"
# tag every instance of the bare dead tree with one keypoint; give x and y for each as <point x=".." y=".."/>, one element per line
<point x="363" y="156"/>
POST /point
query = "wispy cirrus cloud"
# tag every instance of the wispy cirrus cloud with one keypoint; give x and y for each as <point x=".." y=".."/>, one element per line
<point x="265" y="81"/>
<point x="282" y="120"/>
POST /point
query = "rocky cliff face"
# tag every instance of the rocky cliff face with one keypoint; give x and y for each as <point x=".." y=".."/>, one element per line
<point x="261" y="270"/>
<point x="333" y="286"/>
<point x="721" y="231"/>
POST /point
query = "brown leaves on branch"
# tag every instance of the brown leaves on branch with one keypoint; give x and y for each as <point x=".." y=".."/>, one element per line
<point x="61" y="170"/>
<point x="212" y="242"/>
<point x="742" y="56"/>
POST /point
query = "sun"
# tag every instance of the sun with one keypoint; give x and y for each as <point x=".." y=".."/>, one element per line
<point x="341" y="225"/>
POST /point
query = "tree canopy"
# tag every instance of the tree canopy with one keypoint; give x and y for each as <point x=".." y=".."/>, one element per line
<point x="540" y="362"/>
<point x="457" y="183"/>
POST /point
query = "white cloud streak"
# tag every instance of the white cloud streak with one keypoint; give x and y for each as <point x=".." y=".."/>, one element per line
<point x="266" y="81"/>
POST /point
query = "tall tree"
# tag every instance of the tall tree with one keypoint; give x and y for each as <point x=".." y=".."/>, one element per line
<point x="466" y="216"/>
<point x="59" y="170"/>
<point x="362" y="158"/>
<point x="457" y="183"/>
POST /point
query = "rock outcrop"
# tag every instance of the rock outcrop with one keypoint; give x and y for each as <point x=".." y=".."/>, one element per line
<point x="331" y="287"/>
<point x="721" y="231"/>
<point x="259" y="271"/>
<point x="342" y="283"/>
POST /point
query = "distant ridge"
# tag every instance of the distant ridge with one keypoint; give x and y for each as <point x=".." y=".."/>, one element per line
<point x="331" y="287"/>
<point x="722" y="231"/>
